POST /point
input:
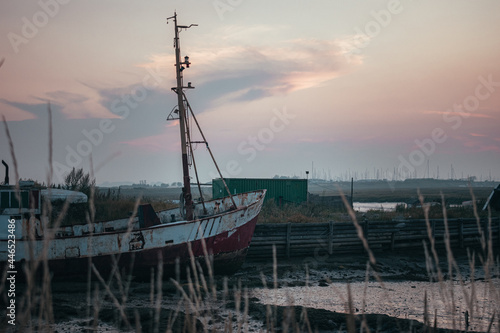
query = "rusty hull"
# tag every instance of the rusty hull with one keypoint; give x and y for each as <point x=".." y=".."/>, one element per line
<point x="226" y="234"/>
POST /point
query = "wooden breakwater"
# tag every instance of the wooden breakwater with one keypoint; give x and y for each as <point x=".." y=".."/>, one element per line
<point x="305" y="239"/>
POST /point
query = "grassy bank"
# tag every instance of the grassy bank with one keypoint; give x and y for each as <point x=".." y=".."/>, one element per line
<point x="110" y="207"/>
<point x="272" y="213"/>
<point x="204" y="302"/>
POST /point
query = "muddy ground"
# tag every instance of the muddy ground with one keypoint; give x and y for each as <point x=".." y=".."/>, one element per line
<point x="292" y="295"/>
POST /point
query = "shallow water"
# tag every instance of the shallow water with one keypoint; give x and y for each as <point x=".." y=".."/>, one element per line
<point x="363" y="207"/>
<point x="312" y="282"/>
<point x="448" y="301"/>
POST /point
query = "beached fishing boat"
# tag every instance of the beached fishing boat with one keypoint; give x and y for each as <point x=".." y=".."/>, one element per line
<point x="221" y="228"/>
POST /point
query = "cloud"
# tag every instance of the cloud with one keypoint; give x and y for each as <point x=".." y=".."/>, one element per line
<point x="476" y="142"/>
<point x="86" y="104"/>
<point x="291" y="66"/>
<point x="165" y="141"/>
<point x="352" y="46"/>
<point x="15" y="111"/>
<point x="234" y="73"/>
<point x="463" y="114"/>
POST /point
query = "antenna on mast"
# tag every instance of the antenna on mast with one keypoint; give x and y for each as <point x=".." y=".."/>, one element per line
<point x="184" y="127"/>
<point x="181" y="112"/>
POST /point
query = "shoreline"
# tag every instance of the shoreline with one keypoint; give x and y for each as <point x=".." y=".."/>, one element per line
<point x="242" y="299"/>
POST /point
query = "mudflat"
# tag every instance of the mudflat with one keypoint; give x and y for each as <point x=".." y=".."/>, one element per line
<point x="399" y="292"/>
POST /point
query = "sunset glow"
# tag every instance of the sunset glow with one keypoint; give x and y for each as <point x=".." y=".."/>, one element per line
<point x="346" y="86"/>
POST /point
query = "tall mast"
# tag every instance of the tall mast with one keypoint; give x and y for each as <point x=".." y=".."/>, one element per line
<point x="188" y="200"/>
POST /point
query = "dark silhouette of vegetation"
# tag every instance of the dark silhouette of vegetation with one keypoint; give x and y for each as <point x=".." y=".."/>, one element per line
<point x="77" y="180"/>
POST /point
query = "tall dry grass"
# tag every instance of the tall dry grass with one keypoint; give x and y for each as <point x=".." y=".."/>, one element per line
<point x="205" y="302"/>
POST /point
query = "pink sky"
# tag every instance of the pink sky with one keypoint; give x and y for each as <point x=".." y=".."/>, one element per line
<point x="364" y="84"/>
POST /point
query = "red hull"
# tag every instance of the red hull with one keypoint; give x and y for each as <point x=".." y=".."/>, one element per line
<point x="228" y="251"/>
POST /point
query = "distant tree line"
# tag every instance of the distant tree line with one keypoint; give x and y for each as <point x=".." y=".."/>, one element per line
<point x="76" y="180"/>
<point x="286" y="177"/>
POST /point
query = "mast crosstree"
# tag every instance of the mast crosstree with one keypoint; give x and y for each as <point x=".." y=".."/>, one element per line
<point x="182" y="111"/>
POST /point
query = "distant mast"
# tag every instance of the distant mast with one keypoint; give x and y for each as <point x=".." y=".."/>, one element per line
<point x="188" y="199"/>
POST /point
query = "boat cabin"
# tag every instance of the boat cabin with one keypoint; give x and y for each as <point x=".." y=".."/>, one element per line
<point x="18" y="205"/>
<point x="26" y="200"/>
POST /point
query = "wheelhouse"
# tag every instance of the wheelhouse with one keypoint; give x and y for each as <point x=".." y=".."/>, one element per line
<point x="26" y="199"/>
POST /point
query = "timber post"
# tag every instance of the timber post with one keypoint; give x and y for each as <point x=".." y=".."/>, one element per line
<point x="461" y="233"/>
<point x="330" y="237"/>
<point x="288" y="238"/>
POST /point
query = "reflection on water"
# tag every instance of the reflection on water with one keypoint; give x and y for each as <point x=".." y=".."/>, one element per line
<point x="363" y="207"/>
<point x="448" y="300"/>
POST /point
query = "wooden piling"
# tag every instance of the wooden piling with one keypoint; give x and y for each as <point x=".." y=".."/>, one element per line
<point x="342" y="237"/>
<point x="288" y="238"/>
<point x="330" y="237"/>
<point x="461" y="233"/>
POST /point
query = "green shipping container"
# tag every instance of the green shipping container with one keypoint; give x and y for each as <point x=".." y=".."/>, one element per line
<point x="281" y="190"/>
